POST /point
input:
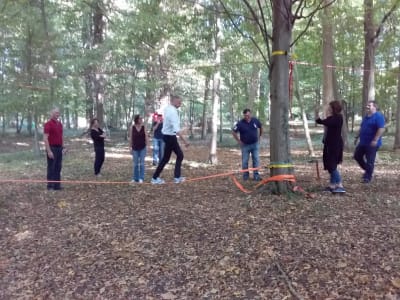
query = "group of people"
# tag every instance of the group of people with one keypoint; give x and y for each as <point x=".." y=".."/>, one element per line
<point x="370" y="140"/>
<point x="166" y="130"/>
<point x="247" y="132"/>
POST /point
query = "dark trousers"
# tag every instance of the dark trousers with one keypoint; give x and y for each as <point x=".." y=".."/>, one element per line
<point x="99" y="159"/>
<point x="54" y="168"/>
<point x="171" y="145"/>
<point x="365" y="157"/>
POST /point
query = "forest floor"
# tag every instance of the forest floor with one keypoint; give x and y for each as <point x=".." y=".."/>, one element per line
<point x="203" y="239"/>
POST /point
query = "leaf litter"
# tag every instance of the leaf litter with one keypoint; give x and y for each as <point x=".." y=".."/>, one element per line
<point x="202" y="239"/>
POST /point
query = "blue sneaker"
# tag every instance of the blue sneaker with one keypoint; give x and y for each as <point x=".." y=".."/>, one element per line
<point x="338" y="190"/>
<point x="179" y="179"/>
<point x="158" y="180"/>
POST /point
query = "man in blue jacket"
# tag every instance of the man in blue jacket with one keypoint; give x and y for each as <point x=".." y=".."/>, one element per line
<point x="247" y="133"/>
<point x="371" y="129"/>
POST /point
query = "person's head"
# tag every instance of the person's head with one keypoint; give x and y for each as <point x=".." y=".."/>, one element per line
<point x="137" y="120"/>
<point x="55" y="113"/>
<point x="94" y="123"/>
<point x="176" y="101"/>
<point x="335" y="107"/>
<point x="247" y="114"/>
<point x="372" y="107"/>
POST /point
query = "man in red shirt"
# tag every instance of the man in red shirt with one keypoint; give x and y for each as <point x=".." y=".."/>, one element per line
<point x="53" y="141"/>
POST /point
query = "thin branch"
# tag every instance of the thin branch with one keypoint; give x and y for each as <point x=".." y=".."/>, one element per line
<point x="385" y="17"/>
<point x="266" y="37"/>
<point x="288" y="282"/>
<point x="256" y="19"/>
<point x="4" y="6"/>
<point x="242" y="33"/>
<point x="310" y="18"/>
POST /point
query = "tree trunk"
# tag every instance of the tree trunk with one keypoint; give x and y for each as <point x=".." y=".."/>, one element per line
<point x="328" y="93"/>
<point x="279" y="72"/>
<point x="303" y="113"/>
<point x="204" y="117"/>
<point x="396" y="145"/>
<point x="254" y="84"/>
<point x="95" y="80"/>
<point x="213" y="159"/>
<point x="368" y="92"/>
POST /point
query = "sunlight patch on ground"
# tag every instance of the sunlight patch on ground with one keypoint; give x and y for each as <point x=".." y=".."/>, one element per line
<point x="20" y="236"/>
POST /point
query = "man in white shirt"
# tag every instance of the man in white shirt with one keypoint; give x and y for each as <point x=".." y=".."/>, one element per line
<point x="171" y="130"/>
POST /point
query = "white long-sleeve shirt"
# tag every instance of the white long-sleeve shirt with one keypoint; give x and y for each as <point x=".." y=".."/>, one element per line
<point x="171" y="124"/>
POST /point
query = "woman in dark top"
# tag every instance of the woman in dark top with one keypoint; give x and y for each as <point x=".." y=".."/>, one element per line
<point x="137" y="142"/>
<point x="98" y="136"/>
<point x="333" y="145"/>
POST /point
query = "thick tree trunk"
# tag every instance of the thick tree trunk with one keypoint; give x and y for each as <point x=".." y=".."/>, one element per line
<point x="279" y="72"/>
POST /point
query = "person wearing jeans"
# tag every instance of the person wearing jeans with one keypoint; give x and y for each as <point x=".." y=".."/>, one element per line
<point x="247" y="133"/>
<point x="53" y="141"/>
<point x="371" y="129"/>
<point x="171" y="130"/>
<point x="158" y="139"/>
<point x="138" y="141"/>
<point x="333" y="145"/>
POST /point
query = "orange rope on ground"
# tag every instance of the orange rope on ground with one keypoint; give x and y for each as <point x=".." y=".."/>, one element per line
<point x="231" y="174"/>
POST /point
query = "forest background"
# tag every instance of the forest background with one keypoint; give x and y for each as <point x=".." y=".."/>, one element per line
<point x="114" y="59"/>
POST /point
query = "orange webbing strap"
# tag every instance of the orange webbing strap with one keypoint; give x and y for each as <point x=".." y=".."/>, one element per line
<point x="239" y="185"/>
<point x="283" y="177"/>
<point x="264" y="181"/>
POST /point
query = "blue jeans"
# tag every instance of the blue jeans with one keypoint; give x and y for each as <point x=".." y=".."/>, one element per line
<point x="365" y="156"/>
<point x="335" y="177"/>
<point x="253" y="150"/>
<point x="54" y="168"/>
<point x="138" y="164"/>
<point x="158" y="150"/>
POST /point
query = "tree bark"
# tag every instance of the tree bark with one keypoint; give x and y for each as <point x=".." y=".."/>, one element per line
<point x="213" y="159"/>
<point x="279" y="72"/>
<point x="396" y="145"/>
<point x="303" y="113"/>
<point x="205" y="100"/>
<point x="368" y="91"/>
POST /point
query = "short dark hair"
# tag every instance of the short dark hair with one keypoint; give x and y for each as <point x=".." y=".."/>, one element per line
<point x="373" y="102"/>
<point x="136" y="119"/>
<point x="92" y="121"/>
<point x="336" y="106"/>
<point x="174" y="97"/>
<point x="246" y="110"/>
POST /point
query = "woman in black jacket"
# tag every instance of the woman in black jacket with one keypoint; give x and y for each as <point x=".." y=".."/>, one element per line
<point x="333" y="145"/>
<point x="98" y="136"/>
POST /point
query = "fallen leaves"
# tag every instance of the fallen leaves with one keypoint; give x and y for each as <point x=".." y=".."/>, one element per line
<point x="198" y="240"/>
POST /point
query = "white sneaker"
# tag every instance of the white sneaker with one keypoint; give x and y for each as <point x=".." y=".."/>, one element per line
<point x="179" y="179"/>
<point x="140" y="180"/>
<point x="158" y="180"/>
